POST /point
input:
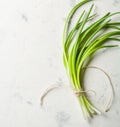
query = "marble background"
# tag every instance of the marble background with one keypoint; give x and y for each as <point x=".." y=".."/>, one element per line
<point x="31" y="60"/>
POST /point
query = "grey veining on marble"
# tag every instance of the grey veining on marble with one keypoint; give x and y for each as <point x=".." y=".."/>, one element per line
<point x="31" y="60"/>
<point x="62" y="118"/>
<point x="72" y="3"/>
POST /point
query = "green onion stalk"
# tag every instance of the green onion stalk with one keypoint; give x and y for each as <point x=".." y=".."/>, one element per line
<point x="80" y="42"/>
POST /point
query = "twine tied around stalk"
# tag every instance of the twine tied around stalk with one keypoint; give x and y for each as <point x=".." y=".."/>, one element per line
<point x="82" y="92"/>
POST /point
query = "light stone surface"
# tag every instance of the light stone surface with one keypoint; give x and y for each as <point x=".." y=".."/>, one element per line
<point x="31" y="60"/>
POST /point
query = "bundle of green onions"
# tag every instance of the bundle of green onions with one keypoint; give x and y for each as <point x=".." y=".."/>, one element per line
<point x="82" y="41"/>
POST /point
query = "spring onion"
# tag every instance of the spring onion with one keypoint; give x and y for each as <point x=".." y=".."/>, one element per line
<point x="82" y="41"/>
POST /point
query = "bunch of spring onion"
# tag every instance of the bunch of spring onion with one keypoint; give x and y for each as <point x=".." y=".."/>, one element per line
<point x="82" y="41"/>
